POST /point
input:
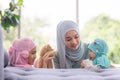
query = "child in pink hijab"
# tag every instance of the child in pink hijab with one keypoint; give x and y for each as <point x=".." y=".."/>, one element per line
<point x="22" y="53"/>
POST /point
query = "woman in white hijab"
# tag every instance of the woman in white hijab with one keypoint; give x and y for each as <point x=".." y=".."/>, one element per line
<point x="70" y="49"/>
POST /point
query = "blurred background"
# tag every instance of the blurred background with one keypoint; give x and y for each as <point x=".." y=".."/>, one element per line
<point x="39" y="19"/>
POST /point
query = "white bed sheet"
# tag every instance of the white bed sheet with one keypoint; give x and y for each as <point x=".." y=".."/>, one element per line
<point x="15" y="73"/>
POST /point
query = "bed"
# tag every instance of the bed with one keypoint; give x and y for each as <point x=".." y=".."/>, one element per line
<point x="16" y="73"/>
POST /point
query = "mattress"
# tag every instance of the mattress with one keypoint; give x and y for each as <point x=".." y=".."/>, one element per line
<point x="16" y="73"/>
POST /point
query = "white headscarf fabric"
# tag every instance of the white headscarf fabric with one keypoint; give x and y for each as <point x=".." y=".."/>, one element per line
<point x="1" y="56"/>
<point x="62" y="51"/>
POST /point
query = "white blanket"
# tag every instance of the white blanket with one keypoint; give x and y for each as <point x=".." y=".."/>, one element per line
<point x="15" y="73"/>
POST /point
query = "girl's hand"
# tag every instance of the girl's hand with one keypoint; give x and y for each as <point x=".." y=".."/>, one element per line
<point x="48" y="56"/>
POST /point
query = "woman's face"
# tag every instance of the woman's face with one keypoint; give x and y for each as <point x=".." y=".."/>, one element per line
<point x="32" y="56"/>
<point x="72" y="40"/>
<point x="92" y="55"/>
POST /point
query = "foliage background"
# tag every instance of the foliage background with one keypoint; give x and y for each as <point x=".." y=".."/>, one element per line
<point x="101" y="26"/>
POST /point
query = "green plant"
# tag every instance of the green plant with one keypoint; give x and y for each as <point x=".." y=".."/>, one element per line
<point x="9" y="17"/>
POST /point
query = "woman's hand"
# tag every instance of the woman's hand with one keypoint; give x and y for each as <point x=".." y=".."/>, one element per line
<point x="86" y="64"/>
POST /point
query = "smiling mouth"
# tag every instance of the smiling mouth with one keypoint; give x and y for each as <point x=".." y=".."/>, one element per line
<point x="74" y="46"/>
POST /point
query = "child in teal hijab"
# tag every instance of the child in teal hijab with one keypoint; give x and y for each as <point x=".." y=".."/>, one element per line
<point x="98" y="54"/>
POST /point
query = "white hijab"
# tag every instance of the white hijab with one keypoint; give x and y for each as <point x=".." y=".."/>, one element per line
<point x="62" y="51"/>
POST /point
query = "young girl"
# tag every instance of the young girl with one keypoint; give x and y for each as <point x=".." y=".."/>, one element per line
<point x="98" y="54"/>
<point x="22" y="53"/>
<point x="46" y="56"/>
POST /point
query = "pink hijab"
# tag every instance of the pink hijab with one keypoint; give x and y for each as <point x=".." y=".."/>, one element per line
<point x="19" y="52"/>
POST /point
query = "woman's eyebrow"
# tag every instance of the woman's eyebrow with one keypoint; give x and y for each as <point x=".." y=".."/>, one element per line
<point x="67" y="37"/>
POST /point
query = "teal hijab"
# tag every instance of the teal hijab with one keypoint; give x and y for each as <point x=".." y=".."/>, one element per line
<point x="100" y="48"/>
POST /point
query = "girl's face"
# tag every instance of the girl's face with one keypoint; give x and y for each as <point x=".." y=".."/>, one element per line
<point x="72" y="40"/>
<point x="32" y="56"/>
<point x="92" y="55"/>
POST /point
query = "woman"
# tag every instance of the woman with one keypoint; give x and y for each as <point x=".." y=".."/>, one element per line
<point x="22" y="53"/>
<point x="70" y="49"/>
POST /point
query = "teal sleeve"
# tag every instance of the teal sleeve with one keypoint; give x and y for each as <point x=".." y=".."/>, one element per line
<point x="102" y="61"/>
